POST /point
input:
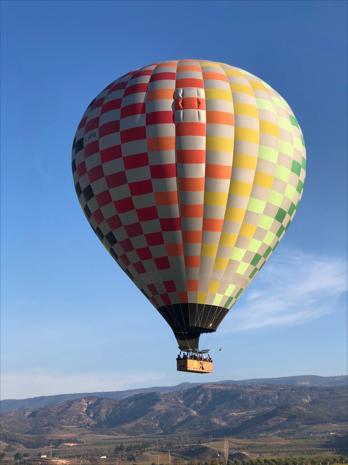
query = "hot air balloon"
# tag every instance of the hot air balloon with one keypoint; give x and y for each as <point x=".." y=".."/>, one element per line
<point x="189" y="172"/>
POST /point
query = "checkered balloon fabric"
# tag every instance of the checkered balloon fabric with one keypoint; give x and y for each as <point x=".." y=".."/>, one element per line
<point x="189" y="172"/>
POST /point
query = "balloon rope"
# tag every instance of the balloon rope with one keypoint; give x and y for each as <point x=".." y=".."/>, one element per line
<point x="183" y="319"/>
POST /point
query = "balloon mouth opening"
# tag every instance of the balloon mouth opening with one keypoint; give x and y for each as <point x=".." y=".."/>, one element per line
<point x="189" y="320"/>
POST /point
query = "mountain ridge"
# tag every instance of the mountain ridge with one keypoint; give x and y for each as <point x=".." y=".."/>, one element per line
<point x="8" y="405"/>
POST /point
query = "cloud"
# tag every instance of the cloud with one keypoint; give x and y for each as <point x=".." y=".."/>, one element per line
<point x="293" y="288"/>
<point x="23" y="385"/>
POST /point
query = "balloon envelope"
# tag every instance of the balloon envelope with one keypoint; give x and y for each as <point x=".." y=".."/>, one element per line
<point x="189" y="172"/>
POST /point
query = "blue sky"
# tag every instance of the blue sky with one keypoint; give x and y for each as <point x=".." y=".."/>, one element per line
<point x="71" y="320"/>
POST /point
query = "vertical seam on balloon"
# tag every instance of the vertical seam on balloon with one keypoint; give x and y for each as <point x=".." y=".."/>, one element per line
<point x="123" y="267"/>
<point x="257" y="160"/>
<point x="179" y="202"/>
<point x="230" y="180"/>
<point x="205" y="166"/>
<point x="278" y="152"/>
<point x="186" y="274"/>
<point x="144" y="286"/>
<point x="158" y="277"/>
<point x="258" y="121"/>
<point x="269" y="95"/>
<point x="230" y="184"/>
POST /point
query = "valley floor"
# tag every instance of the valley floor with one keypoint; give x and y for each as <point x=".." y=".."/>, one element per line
<point x="108" y="450"/>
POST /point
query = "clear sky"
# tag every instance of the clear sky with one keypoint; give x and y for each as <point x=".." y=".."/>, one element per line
<point x="71" y="320"/>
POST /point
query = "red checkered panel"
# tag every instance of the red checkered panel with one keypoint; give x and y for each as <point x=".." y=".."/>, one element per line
<point x="124" y="165"/>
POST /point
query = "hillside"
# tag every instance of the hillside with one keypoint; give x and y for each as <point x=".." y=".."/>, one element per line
<point x="220" y="409"/>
